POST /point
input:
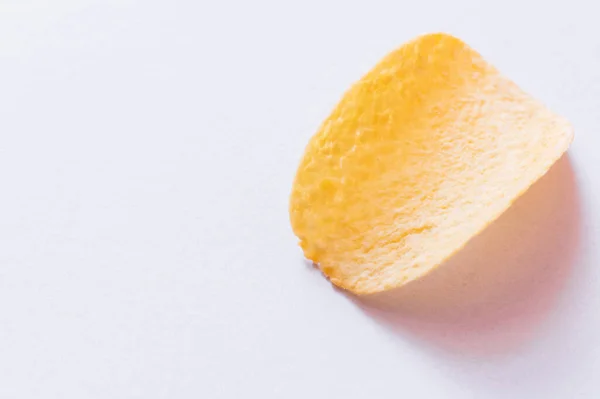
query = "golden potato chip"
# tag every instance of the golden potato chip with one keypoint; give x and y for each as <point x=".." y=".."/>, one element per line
<point x="419" y="156"/>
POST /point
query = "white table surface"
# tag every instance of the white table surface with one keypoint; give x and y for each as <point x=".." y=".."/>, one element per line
<point x="147" y="150"/>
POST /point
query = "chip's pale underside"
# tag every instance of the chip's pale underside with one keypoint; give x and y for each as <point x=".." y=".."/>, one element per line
<point x="419" y="156"/>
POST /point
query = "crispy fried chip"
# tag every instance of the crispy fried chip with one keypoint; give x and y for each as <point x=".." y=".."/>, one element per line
<point x="419" y="156"/>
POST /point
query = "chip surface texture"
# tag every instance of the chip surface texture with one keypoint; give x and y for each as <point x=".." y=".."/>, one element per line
<point x="419" y="156"/>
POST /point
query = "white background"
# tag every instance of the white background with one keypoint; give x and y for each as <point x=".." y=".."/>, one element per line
<point x="147" y="150"/>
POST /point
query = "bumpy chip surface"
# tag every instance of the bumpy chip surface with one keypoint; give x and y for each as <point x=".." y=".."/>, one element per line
<point x="419" y="156"/>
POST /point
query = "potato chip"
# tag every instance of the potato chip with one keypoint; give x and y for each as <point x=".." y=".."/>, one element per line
<point x="419" y="156"/>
